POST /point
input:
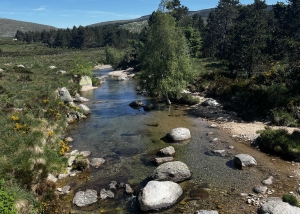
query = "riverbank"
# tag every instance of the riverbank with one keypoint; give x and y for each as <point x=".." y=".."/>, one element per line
<point x="242" y="134"/>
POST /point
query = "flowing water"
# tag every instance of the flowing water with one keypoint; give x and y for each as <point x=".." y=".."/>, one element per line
<point x="129" y="138"/>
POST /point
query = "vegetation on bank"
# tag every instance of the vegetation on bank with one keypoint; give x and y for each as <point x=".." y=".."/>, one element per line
<point x="33" y="121"/>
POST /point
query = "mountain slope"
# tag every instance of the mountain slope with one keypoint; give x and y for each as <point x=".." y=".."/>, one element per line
<point x="9" y="27"/>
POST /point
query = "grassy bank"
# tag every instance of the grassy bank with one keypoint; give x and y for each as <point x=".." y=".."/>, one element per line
<point x="33" y="120"/>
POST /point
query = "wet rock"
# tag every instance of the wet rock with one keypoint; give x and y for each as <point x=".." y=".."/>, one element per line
<point x="123" y="78"/>
<point x="149" y="107"/>
<point x="106" y="194"/>
<point x="260" y="189"/>
<point x="136" y="103"/>
<point x="97" y="162"/>
<point x="86" y="198"/>
<point x="64" y="95"/>
<point x="179" y="134"/>
<point x="172" y="171"/>
<point x="85" y="153"/>
<point x="277" y="207"/>
<point x="158" y="195"/>
<point x="128" y="189"/>
<point x="268" y="181"/>
<point x="78" y="98"/>
<point x="85" y="110"/>
<point x="210" y="102"/>
<point x="220" y="152"/>
<point x="167" y="151"/>
<point x="113" y="185"/>
<point x="244" y="160"/>
<point x="163" y="160"/>
<point x="206" y="212"/>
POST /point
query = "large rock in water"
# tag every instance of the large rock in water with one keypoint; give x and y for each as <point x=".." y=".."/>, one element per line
<point x="65" y="95"/>
<point x="277" y="207"/>
<point x="86" y="198"/>
<point x="244" y="160"/>
<point x="179" y="134"/>
<point x="172" y="171"/>
<point x="85" y="110"/>
<point x="158" y="195"/>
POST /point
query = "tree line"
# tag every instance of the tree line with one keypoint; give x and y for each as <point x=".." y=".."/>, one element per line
<point x="80" y="37"/>
<point x="250" y="37"/>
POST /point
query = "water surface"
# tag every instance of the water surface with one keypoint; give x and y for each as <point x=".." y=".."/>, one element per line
<point x="129" y="138"/>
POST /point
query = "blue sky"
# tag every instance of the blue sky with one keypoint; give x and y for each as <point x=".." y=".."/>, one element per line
<point x="69" y="13"/>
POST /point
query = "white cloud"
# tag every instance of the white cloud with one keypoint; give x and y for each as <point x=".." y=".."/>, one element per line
<point x="40" y="9"/>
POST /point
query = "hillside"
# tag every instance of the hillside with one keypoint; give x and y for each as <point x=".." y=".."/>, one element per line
<point x="9" y="27"/>
<point x="204" y="13"/>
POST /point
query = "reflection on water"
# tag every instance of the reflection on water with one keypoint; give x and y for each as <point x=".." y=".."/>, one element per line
<point x="129" y="138"/>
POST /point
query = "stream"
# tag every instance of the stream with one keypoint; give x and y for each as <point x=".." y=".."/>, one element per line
<point x="129" y="138"/>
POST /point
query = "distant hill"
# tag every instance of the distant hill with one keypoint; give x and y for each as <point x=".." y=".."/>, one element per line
<point x="9" y="27"/>
<point x="204" y="13"/>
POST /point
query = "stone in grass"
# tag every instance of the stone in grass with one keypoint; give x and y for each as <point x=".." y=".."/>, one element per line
<point x="179" y="134"/>
<point x="244" y="160"/>
<point x="158" y="195"/>
<point x="86" y="198"/>
<point x="65" y="95"/>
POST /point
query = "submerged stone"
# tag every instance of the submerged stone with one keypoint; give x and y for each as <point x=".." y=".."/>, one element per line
<point x="199" y="194"/>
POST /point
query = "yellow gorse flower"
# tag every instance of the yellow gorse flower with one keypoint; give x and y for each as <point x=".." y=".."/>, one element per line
<point x="14" y="118"/>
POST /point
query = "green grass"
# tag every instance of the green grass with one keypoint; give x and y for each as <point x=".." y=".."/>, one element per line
<point x="30" y="139"/>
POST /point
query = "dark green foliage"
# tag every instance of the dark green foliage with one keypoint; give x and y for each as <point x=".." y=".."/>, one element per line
<point x="280" y="142"/>
<point x="187" y="99"/>
<point x="219" y="24"/>
<point x="166" y="64"/>
<point x="292" y="200"/>
<point x="81" y="37"/>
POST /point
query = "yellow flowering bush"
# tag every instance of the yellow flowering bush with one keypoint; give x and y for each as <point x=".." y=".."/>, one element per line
<point x="64" y="148"/>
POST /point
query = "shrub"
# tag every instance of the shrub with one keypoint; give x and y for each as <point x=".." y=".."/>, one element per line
<point x="283" y="118"/>
<point x="114" y="57"/>
<point x="81" y="67"/>
<point x="292" y="200"/>
<point x="280" y="142"/>
<point x="188" y="99"/>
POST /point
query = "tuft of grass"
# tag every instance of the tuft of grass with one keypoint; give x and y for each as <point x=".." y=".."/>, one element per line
<point x="292" y="200"/>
